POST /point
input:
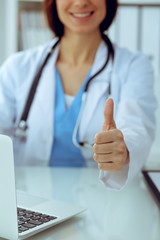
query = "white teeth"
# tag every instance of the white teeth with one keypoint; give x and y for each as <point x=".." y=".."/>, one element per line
<point x="81" y="15"/>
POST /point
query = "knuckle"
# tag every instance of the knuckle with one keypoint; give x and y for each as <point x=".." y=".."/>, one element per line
<point x="121" y="148"/>
<point x="120" y="135"/>
<point x="96" y="157"/>
<point x="100" y="166"/>
<point x="117" y="168"/>
<point x="119" y="159"/>
<point x="98" y="137"/>
<point x="119" y="165"/>
<point x="95" y="148"/>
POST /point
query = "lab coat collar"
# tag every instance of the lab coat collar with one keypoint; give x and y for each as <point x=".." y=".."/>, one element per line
<point x="98" y="88"/>
<point x="100" y="59"/>
<point x="47" y="81"/>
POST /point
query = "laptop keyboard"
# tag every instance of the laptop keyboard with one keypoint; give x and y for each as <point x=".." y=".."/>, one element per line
<point x="28" y="219"/>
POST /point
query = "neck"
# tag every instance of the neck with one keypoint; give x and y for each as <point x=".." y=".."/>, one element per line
<point x="79" y="49"/>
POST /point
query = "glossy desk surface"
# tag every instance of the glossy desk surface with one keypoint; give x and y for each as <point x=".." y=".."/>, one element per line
<point x="129" y="214"/>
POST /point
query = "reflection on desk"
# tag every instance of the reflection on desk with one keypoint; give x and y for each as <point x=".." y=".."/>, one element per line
<point x="130" y="214"/>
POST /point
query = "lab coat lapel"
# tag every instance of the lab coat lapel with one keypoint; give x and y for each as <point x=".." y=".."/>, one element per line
<point x="46" y="91"/>
<point x="96" y="92"/>
<point x="98" y="87"/>
<point x="100" y="59"/>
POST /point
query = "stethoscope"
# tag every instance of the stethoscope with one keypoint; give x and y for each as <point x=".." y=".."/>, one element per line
<point x="21" y="131"/>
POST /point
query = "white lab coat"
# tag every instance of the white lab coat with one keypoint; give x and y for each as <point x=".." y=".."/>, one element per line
<point x="131" y="80"/>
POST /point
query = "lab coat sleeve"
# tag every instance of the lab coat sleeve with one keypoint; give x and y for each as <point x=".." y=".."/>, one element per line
<point x="135" y="118"/>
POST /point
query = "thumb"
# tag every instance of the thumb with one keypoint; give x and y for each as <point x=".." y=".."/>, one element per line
<point x="108" y="115"/>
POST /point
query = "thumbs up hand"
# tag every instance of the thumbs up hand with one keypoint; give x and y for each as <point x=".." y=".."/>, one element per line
<point x="110" y="151"/>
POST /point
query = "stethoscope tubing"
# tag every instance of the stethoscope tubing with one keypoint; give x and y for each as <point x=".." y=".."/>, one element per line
<point x="22" y="129"/>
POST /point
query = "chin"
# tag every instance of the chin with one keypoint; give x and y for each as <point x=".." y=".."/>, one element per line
<point x="85" y="31"/>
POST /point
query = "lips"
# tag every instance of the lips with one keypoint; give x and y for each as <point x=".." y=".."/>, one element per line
<point x="82" y="15"/>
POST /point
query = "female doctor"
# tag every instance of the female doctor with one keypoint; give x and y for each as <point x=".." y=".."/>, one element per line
<point x="79" y="100"/>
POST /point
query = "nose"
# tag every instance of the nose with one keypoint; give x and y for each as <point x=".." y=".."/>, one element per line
<point x="81" y="3"/>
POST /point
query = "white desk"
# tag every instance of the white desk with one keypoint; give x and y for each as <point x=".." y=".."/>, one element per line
<point x="130" y="214"/>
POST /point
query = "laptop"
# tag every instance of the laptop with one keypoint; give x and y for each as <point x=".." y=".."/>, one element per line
<point x="22" y="221"/>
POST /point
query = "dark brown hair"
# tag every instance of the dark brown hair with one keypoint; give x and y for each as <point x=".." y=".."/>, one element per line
<point x="57" y="27"/>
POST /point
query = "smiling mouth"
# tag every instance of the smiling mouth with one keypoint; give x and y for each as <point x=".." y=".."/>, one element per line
<point x="82" y="15"/>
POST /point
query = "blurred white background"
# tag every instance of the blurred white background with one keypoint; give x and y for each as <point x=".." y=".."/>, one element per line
<point x="137" y="27"/>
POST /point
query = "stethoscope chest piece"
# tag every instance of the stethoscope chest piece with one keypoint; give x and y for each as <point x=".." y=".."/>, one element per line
<point x="21" y="131"/>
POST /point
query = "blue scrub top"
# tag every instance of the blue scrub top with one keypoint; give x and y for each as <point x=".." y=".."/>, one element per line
<point x="64" y="152"/>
